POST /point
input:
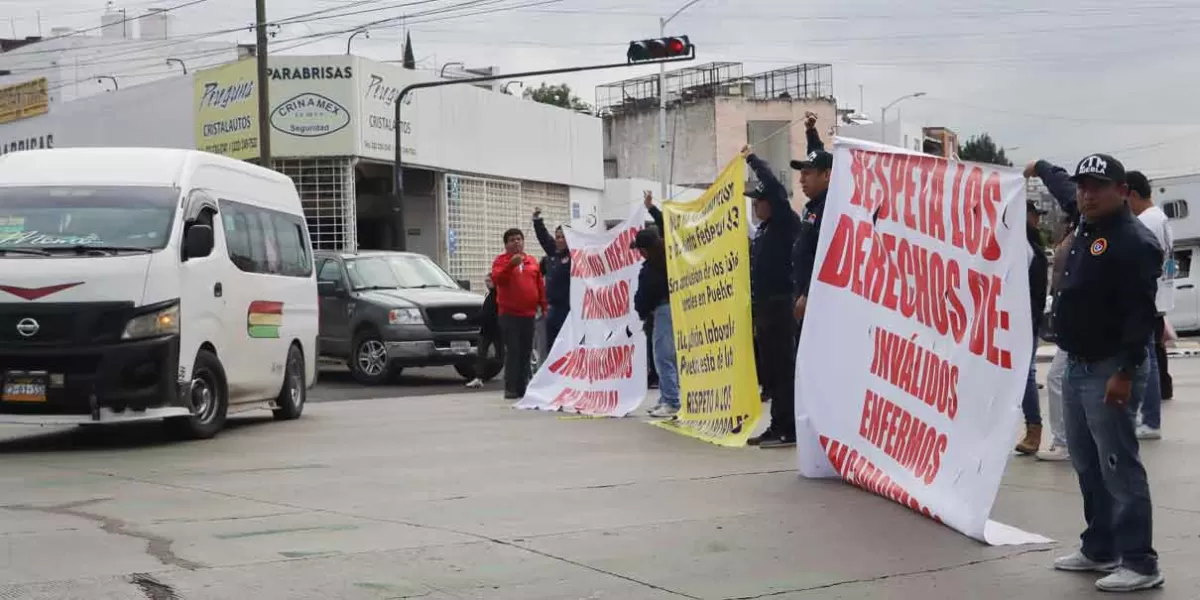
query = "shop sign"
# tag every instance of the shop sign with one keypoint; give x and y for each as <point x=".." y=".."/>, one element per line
<point x="24" y="100"/>
<point x="225" y="99"/>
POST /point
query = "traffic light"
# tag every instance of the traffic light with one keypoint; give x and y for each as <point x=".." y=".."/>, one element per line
<point x="659" y="49"/>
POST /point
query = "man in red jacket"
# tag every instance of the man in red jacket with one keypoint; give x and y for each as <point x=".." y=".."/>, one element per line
<point x="520" y="292"/>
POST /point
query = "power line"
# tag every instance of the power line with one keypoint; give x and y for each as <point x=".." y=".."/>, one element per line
<point x="126" y="19"/>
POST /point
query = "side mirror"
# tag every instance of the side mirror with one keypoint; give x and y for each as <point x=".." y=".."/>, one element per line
<point x="198" y="241"/>
<point x="330" y="288"/>
<point x="464" y="284"/>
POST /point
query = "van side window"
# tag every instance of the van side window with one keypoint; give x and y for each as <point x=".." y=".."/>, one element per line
<point x="266" y="241"/>
<point x="1183" y="263"/>
<point x="1176" y="209"/>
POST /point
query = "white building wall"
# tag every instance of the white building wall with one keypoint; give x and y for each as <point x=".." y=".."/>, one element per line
<point x="903" y="134"/>
<point x="73" y="64"/>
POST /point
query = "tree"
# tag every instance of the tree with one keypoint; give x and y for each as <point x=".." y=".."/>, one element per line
<point x="558" y="95"/>
<point x="982" y="149"/>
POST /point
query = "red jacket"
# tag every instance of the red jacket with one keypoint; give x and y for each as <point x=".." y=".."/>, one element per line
<point x="520" y="289"/>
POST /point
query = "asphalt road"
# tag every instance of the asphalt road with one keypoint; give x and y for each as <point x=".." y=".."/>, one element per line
<point x="334" y="383"/>
<point x="458" y="496"/>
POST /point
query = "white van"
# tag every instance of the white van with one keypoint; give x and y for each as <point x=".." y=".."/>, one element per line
<point x="120" y="301"/>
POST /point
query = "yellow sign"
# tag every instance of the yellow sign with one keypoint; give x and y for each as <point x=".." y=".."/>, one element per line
<point x="24" y="100"/>
<point x="226" y="105"/>
<point x="708" y="262"/>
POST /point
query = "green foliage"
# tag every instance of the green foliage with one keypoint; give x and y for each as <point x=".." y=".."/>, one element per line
<point x="558" y="95"/>
<point x="982" y="149"/>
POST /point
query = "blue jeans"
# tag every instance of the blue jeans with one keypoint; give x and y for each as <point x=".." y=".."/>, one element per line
<point x="664" y="357"/>
<point x="1151" y="405"/>
<point x="1104" y="452"/>
<point x="1031" y="404"/>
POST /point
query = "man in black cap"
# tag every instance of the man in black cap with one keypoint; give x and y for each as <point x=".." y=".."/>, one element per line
<point x="1104" y="315"/>
<point x="771" y="297"/>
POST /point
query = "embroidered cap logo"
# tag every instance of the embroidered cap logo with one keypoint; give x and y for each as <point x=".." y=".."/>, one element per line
<point x="1093" y="165"/>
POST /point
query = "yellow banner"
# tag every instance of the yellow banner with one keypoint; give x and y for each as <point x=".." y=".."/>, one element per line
<point x="708" y="261"/>
<point x="226" y="106"/>
<point x="24" y="100"/>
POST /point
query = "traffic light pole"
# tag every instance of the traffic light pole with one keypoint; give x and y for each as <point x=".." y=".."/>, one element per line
<point x="399" y="241"/>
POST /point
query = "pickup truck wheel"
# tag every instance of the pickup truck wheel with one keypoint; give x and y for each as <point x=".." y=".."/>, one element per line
<point x="369" y="359"/>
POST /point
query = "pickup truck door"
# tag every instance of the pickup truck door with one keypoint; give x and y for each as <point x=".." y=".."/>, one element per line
<point x="334" y="337"/>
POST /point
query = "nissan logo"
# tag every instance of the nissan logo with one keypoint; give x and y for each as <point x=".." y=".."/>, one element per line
<point x="458" y="317"/>
<point x="28" y="327"/>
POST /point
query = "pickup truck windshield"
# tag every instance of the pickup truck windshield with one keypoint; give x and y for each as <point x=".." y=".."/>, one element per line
<point x="49" y="220"/>
<point x="390" y="272"/>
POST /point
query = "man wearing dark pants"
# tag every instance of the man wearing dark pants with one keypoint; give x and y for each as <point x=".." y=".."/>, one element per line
<point x="815" y="172"/>
<point x="771" y="297"/>
<point x="520" y="292"/>
<point x="1104" y="315"/>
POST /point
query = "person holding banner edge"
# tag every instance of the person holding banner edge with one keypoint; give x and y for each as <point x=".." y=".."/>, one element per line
<point x="652" y="301"/>
<point x="1105" y="314"/>
<point x="771" y="300"/>
<point x="557" y="272"/>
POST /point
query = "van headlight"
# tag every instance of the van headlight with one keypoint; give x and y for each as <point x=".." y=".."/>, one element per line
<point x="153" y="324"/>
<point x="405" y="316"/>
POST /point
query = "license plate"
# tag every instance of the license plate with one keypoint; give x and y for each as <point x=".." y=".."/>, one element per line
<point x="460" y="345"/>
<point x="24" y="387"/>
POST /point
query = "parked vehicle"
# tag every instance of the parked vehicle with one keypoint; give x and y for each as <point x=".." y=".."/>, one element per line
<point x="1174" y="195"/>
<point x="382" y="312"/>
<point x="152" y="284"/>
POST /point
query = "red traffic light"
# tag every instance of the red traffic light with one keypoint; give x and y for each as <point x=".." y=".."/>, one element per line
<point x="658" y="49"/>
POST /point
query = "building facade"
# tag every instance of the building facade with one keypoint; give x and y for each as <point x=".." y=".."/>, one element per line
<point x="476" y="162"/>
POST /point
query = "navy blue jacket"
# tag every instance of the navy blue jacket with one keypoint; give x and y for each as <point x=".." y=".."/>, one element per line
<point x="557" y="268"/>
<point x="771" y="248"/>
<point x="1105" y="304"/>
<point x="804" y="252"/>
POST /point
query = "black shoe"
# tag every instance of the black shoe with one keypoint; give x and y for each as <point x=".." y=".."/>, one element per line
<point x="511" y="396"/>
<point x="783" y="441"/>
<point x="765" y="436"/>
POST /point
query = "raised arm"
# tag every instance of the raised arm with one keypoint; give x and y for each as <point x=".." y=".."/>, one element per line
<point x="1058" y="182"/>
<point x="543" y="235"/>
<point x="773" y="189"/>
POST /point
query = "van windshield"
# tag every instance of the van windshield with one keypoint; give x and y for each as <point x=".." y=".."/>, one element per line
<point x="58" y="219"/>
<point x="399" y="271"/>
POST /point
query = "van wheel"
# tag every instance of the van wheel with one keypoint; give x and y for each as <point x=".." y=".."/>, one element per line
<point x="295" y="387"/>
<point x="369" y="360"/>
<point x="209" y="401"/>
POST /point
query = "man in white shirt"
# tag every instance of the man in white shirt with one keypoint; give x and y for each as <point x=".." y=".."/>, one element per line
<point x="1158" y="385"/>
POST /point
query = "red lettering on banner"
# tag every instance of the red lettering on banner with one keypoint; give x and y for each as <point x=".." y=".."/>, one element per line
<point x="914" y="444"/>
<point x="917" y="371"/>
<point x="618" y="254"/>
<point x="598" y="401"/>
<point x="586" y="264"/>
<point x="596" y="364"/>
<point x="856" y="470"/>
<point x="985" y="291"/>
<point x="608" y="302"/>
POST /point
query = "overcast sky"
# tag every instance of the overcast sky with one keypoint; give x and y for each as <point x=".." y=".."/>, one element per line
<point x="1047" y="80"/>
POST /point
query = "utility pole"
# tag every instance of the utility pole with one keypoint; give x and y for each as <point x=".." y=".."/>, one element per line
<point x="264" y="81"/>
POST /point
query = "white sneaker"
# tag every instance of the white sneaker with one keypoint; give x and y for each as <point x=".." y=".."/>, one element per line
<point x="662" y="411"/>
<point x="1128" y="580"/>
<point x="1055" y="453"/>
<point x="1077" y="562"/>
<point x="1145" y="432"/>
<point x="475" y="383"/>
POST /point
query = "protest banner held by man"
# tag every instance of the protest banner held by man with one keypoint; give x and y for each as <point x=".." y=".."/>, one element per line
<point x="1104" y="315"/>
<point x="1038" y="266"/>
<point x="653" y="301"/>
<point x="1058" y="182"/>
<point x="520" y="292"/>
<point x="557" y="272"/>
<point x="1158" y="386"/>
<point x="771" y="300"/>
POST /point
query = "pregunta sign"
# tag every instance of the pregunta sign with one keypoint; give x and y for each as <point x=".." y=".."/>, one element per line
<point x="309" y="115"/>
<point x="226" y="107"/>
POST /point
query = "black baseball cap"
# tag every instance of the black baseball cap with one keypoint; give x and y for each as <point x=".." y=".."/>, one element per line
<point x="1101" y="167"/>
<point x="757" y="192"/>
<point x="645" y="239"/>
<point x="817" y="159"/>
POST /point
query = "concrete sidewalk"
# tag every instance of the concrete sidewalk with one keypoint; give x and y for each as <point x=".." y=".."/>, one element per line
<point x="459" y="496"/>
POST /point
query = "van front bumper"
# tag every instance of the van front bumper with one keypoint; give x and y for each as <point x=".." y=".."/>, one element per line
<point x="125" y="381"/>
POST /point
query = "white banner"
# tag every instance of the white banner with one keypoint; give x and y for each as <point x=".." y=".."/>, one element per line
<point x="598" y="363"/>
<point x="913" y="358"/>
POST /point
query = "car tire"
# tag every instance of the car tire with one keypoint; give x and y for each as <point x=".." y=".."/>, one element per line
<point x="294" y="393"/>
<point x="210" y="393"/>
<point x="368" y="359"/>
